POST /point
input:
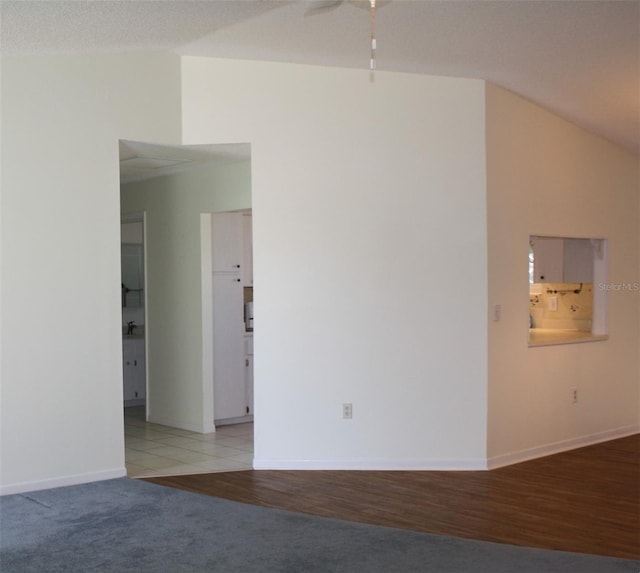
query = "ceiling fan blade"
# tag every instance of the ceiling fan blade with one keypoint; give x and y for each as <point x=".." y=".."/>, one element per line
<point x="321" y="6"/>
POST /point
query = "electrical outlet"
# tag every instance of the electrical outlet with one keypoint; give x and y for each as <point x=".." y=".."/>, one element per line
<point x="574" y="395"/>
<point x="347" y="411"/>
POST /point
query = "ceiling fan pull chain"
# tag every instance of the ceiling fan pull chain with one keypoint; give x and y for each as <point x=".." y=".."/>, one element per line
<point x="373" y="35"/>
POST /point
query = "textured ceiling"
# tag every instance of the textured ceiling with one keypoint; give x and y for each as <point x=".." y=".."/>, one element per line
<point x="578" y="58"/>
<point x="140" y="161"/>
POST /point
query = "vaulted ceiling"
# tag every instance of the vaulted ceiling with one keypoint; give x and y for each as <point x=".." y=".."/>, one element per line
<point x="578" y="58"/>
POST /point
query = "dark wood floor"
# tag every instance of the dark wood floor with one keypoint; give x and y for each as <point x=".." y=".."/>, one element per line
<point x="585" y="500"/>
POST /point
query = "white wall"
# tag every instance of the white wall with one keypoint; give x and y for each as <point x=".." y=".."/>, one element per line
<point x="369" y="258"/>
<point x="61" y="416"/>
<point x="370" y="227"/>
<point x="180" y="394"/>
<point x="131" y="233"/>
<point x="547" y="177"/>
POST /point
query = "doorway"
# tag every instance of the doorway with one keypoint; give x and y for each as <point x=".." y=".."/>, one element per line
<point x="174" y="186"/>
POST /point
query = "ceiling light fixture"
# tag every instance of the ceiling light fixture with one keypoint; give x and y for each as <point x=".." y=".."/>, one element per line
<point x="372" y="64"/>
<point x="319" y="7"/>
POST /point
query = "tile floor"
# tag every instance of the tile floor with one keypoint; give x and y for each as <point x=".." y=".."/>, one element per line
<point x="155" y="450"/>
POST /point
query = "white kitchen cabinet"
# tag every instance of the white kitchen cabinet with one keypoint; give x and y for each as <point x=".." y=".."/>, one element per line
<point x="226" y="238"/>
<point x="134" y="372"/>
<point x="232" y="245"/>
<point x="562" y="260"/>
<point x="578" y="261"/>
<point x="547" y="260"/>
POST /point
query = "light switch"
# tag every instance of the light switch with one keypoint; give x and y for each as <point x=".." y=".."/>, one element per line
<point x="553" y="303"/>
<point x="497" y="312"/>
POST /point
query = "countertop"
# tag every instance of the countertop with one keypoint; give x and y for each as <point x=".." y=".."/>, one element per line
<point x="551" y="336"/>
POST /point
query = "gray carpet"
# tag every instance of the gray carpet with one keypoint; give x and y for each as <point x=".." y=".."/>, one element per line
<point x="128" y="525"/>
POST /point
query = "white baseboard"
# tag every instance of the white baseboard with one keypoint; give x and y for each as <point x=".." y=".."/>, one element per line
<point x="64" y="481"/>
<point x="447" y="464"/>
<point x="371" y="465"/>
<point x="181" y="424"/>
<point x="239" y="420"/>
<point x="561" y="446"/>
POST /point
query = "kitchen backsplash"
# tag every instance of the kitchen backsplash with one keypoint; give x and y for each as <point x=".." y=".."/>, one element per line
<point x="570" y="309"/>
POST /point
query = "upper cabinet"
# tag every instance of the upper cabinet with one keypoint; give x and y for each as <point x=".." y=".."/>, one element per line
<point x="232" y="245"/>
<point x="226" y="236"/>
<point x="562" y="260"/>
<point x="578" y="261"/>
<point x="547" y="260"/>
